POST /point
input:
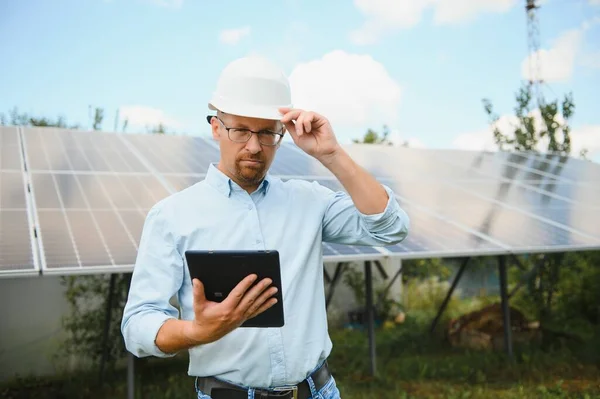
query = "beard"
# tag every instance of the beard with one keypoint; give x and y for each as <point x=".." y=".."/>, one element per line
<point x="250" y="173"/>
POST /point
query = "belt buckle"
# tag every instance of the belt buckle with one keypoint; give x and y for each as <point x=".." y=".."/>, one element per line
<point x="293" y="388"/>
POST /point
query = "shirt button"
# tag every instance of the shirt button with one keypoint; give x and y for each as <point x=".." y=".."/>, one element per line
<point x="258" y="241"/>
<point x="249" y="207"/>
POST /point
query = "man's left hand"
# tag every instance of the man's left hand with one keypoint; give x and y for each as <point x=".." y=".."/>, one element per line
<point x="311" y="132"/>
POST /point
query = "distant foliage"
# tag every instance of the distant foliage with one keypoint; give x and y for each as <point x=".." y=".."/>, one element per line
<point x="17" y="118"/>
<point x="373" y="137"/>
<point x="535" y="126"/>
<point x="88" y="300"/>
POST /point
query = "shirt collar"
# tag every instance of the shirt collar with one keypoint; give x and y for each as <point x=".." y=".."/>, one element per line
<point x="225" y="185"/>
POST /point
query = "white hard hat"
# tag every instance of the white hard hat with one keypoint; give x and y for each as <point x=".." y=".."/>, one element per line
<point x="253" y="87"/>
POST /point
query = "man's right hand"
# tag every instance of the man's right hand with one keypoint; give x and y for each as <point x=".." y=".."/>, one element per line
<point x="213" y="320"/>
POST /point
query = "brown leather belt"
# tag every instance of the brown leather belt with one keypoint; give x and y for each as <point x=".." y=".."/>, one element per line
<point x="218" y="389"/>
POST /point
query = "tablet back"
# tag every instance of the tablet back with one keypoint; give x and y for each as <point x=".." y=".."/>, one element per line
<point x="220" y="271"/>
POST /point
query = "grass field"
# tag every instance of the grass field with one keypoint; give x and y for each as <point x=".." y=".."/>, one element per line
<point x="410" y="363"/>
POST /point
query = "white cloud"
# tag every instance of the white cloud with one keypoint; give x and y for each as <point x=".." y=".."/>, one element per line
<point x="595" y="2"/>
<point x="558" y="62"/>
<point x="142" y="116"/>
<point x="352" y="91"/>
<point x="386" y="16"/>
<point x="459" y="11"/>
<point x="233" y="36"/>
<point x="166" y="3"/>
<point x="587" y="137"/>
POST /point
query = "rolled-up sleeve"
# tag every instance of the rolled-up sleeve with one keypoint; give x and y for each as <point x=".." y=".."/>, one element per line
<point x="157" y="276"/>
<point x="343" y="223"/>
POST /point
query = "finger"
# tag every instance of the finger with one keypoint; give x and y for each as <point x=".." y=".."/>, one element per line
<point x="251" y="296"/>
<point x="199" y="295"/>
<point x="290" y="115"/>
<point x="236" y="294"/>
<point x="300" y="124"/>
<point x="290" y="127"/>
<point x="264" y="307"/>
<point x="284" y="110"/>
<point x="261" y="300"/>
<point x="307" y="121"/>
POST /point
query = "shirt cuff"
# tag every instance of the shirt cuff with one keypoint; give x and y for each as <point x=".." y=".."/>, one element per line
<point x="147" y="332"/>
<point x="380" y="221"/>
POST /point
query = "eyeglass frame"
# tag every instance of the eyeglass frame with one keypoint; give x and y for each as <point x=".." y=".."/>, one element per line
<point x="258" y="133"/>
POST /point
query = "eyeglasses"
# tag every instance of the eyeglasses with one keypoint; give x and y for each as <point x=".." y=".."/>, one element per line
<point x="240" y="135"/>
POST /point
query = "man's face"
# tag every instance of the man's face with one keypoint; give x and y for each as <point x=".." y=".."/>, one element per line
<point x="246" y="163"/>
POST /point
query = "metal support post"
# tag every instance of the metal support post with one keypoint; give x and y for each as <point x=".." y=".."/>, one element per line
<point x="505" y="306"/>
<point x="370" y="315"/>
<point x="130" y="376"/>
<point x="104" y="358"/>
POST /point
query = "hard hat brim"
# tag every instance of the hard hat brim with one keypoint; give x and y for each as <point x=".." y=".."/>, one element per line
<point x="249" y="111"/>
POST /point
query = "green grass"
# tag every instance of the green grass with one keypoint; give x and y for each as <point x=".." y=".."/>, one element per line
<point x="410" y="363"/>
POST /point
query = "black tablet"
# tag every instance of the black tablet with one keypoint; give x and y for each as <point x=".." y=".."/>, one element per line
<point x="221" y="270"/>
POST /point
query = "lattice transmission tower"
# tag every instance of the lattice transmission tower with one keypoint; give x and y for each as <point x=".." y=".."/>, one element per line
<point x="533" y="42"/>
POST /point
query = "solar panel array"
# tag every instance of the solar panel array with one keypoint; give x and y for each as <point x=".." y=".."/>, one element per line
<point x="75" y="202"/>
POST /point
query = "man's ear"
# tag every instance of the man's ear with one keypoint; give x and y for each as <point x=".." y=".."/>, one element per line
<point x="214" y="125"/>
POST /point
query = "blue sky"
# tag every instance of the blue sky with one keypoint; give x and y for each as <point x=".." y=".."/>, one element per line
<point x="421" y="66"/>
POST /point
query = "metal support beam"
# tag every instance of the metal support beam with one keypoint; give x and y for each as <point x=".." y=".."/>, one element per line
<point x="130" y="376"/>
<point x="526" y="278"/>
<point x="130" y="361"/>
<point x="370" y="315"/>
<point x="326" y="276"/>
<point x="463" y="266"/>
<point x="108" y="317"/>
<point x="505" y="306"/>
<point x="337" y="275"/>
<point x="388" y="287"/>
<point x="381" y="270"/>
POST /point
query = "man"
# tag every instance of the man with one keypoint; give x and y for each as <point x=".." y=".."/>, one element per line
<point x="239" y="205"/>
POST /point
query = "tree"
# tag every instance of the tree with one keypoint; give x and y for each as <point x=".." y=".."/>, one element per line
<point x="535" y="126"/>
<point x="372" y="137"/>
<point x="17" y="118"/>
<point x="98" y="118"/>
<point x="158" y="129"/>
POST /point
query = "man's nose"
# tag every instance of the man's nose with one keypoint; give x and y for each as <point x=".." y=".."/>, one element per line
<point x="253" y="145"/>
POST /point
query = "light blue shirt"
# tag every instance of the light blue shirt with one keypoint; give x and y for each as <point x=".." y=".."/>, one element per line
<point x="293" y="217"/>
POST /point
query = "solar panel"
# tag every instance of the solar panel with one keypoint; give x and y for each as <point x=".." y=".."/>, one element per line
<point x="339" y="252"/>
<point x="175" y="154"/>
<point x="558" y="166"/>
<point x="92" y="220"/>
<point x="405" y="164"/>
<point x="433" y="234"/>
<point x="292" y="161"/>
<point x="91" y="192"/>
<point x="536" y="193"/>
<point x="180" y="182"/>
<point x="10" y="149"/>
<point x="67" y="150"/>
<point x="17" y="254"/>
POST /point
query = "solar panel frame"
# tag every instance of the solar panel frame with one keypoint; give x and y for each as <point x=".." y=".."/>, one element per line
<point x="35" y="269"/>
